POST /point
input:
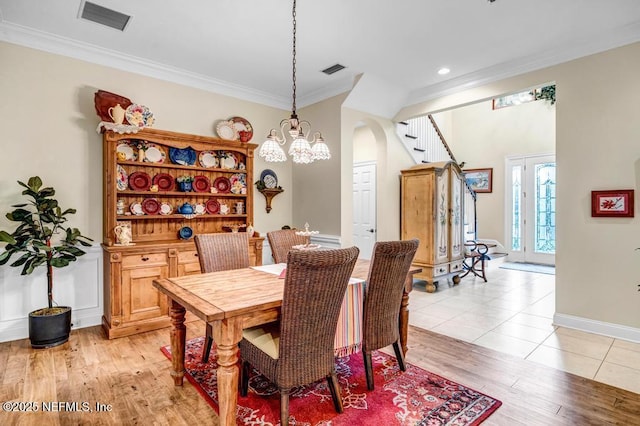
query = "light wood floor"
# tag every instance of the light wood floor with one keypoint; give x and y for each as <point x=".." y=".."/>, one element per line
<point x="132" y="375"/>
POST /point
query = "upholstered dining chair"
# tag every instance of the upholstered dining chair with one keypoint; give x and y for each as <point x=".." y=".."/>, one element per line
<point x="383" y="296"/>
<point x="299" y="348"/>
<point x="282" y="241"/>
<point x="221" y="252"/>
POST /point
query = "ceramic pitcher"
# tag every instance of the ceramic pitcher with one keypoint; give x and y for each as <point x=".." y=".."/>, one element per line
<point x="117" y="114"/>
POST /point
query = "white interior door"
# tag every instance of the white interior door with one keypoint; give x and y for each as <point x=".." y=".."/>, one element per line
<point x="364" y="207"/>
<point x="531" y="209"/>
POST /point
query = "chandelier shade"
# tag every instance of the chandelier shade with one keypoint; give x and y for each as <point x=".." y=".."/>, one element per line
<point x="301" y="150"/>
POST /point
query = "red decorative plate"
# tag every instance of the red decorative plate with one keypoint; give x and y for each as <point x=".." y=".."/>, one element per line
<point x="201" y="184"/>
<point x="165" y="182"/>
<point x="245" y="131"/>
<point x="150" y="206"/>
<point x="139" y="181"/>
<point x="103" y="100"/>
<point x="212" y="206"/>
<point x="222" y="184"/>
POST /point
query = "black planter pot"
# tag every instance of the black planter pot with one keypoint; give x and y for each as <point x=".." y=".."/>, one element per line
<point x="46" y="331"/>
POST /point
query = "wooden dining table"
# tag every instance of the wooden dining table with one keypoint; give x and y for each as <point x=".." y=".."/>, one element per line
<point x="231" y="301"/>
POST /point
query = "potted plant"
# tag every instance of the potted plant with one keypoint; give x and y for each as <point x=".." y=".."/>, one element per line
<point x="41" y="239"/>
<point x="185" y="183"/>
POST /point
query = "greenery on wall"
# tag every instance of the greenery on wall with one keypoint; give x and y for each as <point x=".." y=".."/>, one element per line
<point x="547" y="93"/>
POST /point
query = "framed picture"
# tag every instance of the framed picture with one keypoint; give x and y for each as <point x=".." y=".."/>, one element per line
<point x="480" y="180"/>
<point x="616" y="203"/>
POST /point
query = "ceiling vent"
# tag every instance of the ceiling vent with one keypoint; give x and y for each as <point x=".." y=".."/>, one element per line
<point x="333" y="69"/>
<point x="102" y="15"/>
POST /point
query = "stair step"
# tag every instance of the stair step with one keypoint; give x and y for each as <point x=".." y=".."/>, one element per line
<point x="411" y="136"/>
<point x="403" y="122"/>
<point x="419" y="149"/>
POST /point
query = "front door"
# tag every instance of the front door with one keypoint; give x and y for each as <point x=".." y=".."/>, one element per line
<point x="531" y="209"/>
<point x="364" y="207"/>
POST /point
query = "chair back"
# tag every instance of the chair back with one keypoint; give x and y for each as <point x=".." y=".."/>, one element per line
<point x="385" y="283"/>
<point x="281" y="242"/>
<point x="314" y="288"/>
<point x="223" y="251"/>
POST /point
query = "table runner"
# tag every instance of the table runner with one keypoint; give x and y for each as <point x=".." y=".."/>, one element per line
<point x="348" y="338"/>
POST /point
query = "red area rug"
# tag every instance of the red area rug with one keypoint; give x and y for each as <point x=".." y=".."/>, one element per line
<point x="413" y="397"/>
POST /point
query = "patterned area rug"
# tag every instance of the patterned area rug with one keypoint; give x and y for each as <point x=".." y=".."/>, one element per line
<point x="529" y="267"/>
<point x="414" y="397"/>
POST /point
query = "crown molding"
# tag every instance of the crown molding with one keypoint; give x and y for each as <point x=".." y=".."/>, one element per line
<point x="28" y="37"/>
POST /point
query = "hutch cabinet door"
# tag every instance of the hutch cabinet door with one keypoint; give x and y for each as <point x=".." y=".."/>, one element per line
<point x="442" y="217"/>
<point x="140" y="300"/>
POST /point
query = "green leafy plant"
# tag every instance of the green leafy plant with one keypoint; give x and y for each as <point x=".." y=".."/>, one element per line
<point x="182" y="179"/>
<point x="41" y="239"/>
<point x="547" y="93"/>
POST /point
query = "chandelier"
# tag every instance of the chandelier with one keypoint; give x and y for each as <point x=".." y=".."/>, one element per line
<point x="301" y="150"/>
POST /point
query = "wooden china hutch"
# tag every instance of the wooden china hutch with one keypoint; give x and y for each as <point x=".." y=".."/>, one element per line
<point x="143" y="203"/>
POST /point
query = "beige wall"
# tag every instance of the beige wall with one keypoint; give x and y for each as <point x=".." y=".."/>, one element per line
<point x="49" y="129"/>
<point x="364" y="145"/>
<point x="597" y="147"/>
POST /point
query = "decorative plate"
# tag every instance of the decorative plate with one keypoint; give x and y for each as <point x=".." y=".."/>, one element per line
<point x="121" y="178"/>
<point x="243" y="127"/>
<point x="150" y="206"/>
<point x="209" y="159"/>
<point x="222" y="184"/>
<point x="212" y="206"/>
<point x="185" y="232"/>
<point x="184" y="156"/>
<point x="139" y="181"/>
<point x="165" y="182"/>
<point x="201" y="184"/>
<point x="154" y="154"/>
<point x="139" y="115"/>
<point x="199" y="208"/>
<point x="129" y="150"/>
<point x="165" y="208"/>
<point x="136" y="208"/>
<point x="228" y="160"/>
<point x="227" y="130"/>
<point x="238" y="182"/>
<point x="269" y="178"/>
<point x="104" y="100"/>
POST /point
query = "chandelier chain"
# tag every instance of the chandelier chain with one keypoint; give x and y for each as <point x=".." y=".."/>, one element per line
<point x="294" y="58"/>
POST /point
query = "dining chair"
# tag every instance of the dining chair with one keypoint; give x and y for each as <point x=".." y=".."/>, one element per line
<point x="221" y="252"/>
<point x="383" y="296"/>
<point x="299" y="348"/>
<point x="281" y="241"/>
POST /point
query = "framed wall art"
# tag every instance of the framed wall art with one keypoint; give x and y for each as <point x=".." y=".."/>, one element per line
<point x="614" y="203"/>
<point x="480" y="180"/>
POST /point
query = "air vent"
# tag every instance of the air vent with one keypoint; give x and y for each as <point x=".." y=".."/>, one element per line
<point x="102" y="15"/>
<point x="333" y="69"/>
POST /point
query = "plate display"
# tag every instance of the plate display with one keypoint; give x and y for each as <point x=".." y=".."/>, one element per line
<point x="104" y="100"/>
<point x="227" y="130"/>
<point x="136" y="209"/>
<point x="199" y="208"/>
<point x="212" y="206"/>
<point x="150" y="206"/>
<point x="154" y="154"/>
<point x="122" y="179"/>
<point x="243" y="128"/>
<point x="222" y="184"/>
<point x="269" y="178"/>
<point x="238" y="183"/>
<point x="208" y="159"/>
<point x="184" y="156"/>
<point x="139" y="181"/>
<point x="165" y="182"/>
<point x="166" y="208"/>
<point x="185" y="232"/>
<point x="139" y="115"/>
<point x="228" y="160"/>
<point x="129" y="150"/>
<point x="201" y="184"/>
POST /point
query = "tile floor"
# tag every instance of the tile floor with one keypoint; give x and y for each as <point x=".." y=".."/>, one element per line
<point x="513" y="313"/>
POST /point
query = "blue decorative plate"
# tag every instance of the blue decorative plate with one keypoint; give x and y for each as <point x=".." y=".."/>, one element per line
<point x="185" y="233"/>
<point x="184" y="156"/>
<point x="269" y="178"/>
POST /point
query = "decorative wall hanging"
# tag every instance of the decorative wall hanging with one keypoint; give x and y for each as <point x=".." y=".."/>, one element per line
<point x="614" y="203"/>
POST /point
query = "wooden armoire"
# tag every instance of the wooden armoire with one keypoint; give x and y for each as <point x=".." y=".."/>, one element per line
<point x="432" y="210"/>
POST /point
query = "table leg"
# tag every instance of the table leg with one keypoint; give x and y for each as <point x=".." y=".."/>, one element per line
<point x="227" y="334"/>
<point x="178" y="333"/>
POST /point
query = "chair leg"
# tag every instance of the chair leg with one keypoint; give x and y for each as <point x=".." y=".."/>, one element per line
<point x="399" y="355"/>
<point x="284" y="407"/>
<point x="244" y="378"/>
<point x="368" y="368"/>
<point x="334" y="388"/>
<point x="207" y="344"/>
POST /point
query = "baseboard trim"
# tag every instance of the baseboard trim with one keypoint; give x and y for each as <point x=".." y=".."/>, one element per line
<point x="598" y="327"/>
